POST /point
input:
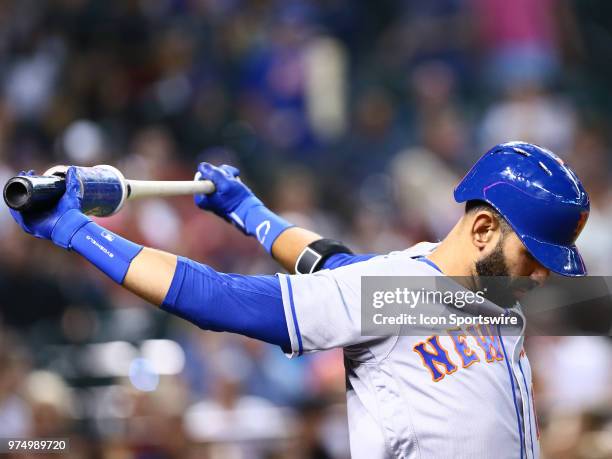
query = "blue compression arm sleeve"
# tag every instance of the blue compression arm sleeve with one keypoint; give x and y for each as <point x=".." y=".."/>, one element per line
<point x="108" y="251"/>
<point x="342" y="259"/>
<point x="248" y="305"/>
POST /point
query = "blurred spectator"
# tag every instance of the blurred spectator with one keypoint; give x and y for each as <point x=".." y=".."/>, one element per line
<point x="590" y="158"/>
<point x="519" y="41"/>
<point x="15" y="413"/>
<point x="425" y="176"/>
<point x="531" y="114"/>
<point x="51" y="403"/>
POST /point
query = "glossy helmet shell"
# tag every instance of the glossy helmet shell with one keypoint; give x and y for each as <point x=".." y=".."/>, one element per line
<point x="539" y="196"/>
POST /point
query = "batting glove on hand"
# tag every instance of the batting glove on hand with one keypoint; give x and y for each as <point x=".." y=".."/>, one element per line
<point x="231" y="199"/>
<point x="61" y="222"/>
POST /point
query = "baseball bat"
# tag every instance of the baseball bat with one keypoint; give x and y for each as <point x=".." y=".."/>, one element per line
<point x="105" y="190"/>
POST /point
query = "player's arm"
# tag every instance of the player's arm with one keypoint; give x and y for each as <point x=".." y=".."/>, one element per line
<point x="306" y="252"/>
<point x="290" y="244"/>
<point x="249" y="305"/>
<point x="270" y="308"/>
<point x="295" y="249"/>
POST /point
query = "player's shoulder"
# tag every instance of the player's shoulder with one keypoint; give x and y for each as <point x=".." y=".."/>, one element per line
<point x="420" y="249"/>
<point x="397" y="263"/>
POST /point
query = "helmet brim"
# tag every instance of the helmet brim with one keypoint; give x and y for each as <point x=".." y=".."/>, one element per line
<point x="561" y="259"/>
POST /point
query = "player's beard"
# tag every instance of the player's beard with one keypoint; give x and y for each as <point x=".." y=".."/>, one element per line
<point x="494" y="264"/>
<point x="494" y="276"/>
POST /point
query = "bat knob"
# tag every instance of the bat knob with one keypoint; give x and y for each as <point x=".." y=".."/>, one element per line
<point x="17" y="193"/>
<point x="24" y="192"/>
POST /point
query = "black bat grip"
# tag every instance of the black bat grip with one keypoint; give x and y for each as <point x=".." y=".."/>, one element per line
<point x="33" y="192"/>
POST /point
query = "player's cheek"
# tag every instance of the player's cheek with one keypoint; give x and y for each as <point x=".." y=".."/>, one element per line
<point x="520" y="262"/>
<point x="512" y="258"/>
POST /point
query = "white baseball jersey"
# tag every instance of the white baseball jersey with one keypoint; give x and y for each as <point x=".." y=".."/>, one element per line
<point x="463" y="395"/>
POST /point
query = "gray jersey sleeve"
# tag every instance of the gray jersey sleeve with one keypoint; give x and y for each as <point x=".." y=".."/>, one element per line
<point x="323" y="310"/>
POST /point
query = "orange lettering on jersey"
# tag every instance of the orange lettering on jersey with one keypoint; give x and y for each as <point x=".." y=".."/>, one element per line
<point x="467" y="354"/>
<point x="487" y="341"/>
<point x="438" y="356"/>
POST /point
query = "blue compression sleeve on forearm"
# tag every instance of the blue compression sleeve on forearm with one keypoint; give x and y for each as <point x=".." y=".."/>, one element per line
<point x="259" y="221"/>
<point x="248" y="305"/>
<point x="109" y="252"/>
<point x="342" y="259"/>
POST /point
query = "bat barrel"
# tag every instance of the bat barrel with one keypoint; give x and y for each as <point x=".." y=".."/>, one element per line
<point x="24" y="193"/>
<point x="104" y="190"/>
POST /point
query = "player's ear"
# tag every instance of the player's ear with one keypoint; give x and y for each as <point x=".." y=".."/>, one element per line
<point x="485" y="229"/>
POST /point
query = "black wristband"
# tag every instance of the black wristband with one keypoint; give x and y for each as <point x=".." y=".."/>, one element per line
<point x="314" y="255"/>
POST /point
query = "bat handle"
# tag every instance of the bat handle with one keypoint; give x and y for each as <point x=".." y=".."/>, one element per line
<point x="25" y="193"/>
<point x="145" y="188"/>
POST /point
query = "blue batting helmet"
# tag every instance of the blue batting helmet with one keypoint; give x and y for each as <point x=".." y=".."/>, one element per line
<point x="539" y="196"/>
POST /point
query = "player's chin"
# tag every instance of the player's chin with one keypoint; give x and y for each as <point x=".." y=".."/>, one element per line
<point x="519" y="294"/>
<point x="522" y="284"/>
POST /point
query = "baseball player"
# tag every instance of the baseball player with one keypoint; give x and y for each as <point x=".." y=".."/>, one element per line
<point x="462" y="394"/>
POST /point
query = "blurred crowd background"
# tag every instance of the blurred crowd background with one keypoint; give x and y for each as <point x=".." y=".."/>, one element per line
<point x="352" y="118"/>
